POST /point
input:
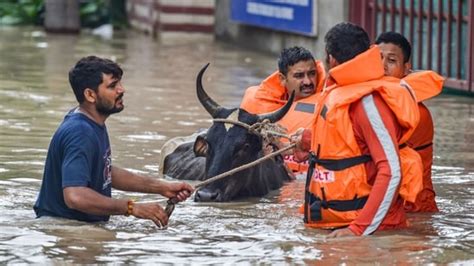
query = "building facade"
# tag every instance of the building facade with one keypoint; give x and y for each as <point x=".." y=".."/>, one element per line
<point x="440" y="31"/>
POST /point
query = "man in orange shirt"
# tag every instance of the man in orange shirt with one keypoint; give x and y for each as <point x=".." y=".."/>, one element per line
<point x="355" y="177"/>
<point x="396" y="53"/>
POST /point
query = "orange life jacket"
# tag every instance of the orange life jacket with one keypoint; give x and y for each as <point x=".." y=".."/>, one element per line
<point x="425" y="84"/>
<point x="300" y="115"/>
<point x="266" y="97"/>
<point x="271" y="95"/>
<point x="337" y="188"/>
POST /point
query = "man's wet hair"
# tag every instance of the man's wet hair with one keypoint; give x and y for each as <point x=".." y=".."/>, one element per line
<point x="87" y="73"/>
<point x="397" y="39"/>
<point x="291" y="56"/>
<point x="345" y="41"/>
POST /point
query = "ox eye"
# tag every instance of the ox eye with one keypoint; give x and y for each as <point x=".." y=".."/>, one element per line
<point x="245" y="147"/>
<point x="200" y="147"/>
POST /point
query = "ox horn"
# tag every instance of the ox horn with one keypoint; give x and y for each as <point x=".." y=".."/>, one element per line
<point x="280" y="113"/>
<point x="210" y="105"/>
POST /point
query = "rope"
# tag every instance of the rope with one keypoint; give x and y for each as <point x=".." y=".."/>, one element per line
<point x="235" y="122"/>
<point x="265" y="129"/>
<point x="170" y="204"/>
<point x="243" y="167"/>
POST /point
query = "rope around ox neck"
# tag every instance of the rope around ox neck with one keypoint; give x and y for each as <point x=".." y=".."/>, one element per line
<point x="265" y="129"/>
<point x="170" y="204"/>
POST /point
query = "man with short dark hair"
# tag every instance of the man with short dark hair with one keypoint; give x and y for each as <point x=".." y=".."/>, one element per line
<point x="396" y="52"/>
<point x="298" y="72"/>
<point x="79" y="175"/>
<point x="354" y="182"/>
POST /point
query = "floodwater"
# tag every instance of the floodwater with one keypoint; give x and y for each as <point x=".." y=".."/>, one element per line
<point x="161" y="104"/>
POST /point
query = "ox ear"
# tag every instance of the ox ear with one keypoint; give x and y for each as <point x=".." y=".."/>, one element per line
<point x="200" y="147"/>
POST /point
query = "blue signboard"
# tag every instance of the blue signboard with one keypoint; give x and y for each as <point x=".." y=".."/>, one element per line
<point x="287" y="15"/>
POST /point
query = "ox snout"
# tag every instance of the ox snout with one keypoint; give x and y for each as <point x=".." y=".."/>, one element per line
<point x="206" y="195"/>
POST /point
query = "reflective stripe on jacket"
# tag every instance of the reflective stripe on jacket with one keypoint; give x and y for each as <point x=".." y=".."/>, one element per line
<point x="337" y="187"/>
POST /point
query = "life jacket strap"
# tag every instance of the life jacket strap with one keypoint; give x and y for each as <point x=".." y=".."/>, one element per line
<point x="341" y="164"/>
<point x="419" y="148"/>
<point x="422" y="147"/>
<point x="315" y="204"/>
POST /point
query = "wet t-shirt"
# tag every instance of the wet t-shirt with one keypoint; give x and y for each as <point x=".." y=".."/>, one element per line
<point x="79" y="155"/>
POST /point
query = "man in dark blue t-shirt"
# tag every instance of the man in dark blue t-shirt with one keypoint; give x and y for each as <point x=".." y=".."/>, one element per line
<point x="79" y="175"/>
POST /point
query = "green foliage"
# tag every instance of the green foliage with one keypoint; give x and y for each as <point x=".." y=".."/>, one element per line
<point x="21" y="12"/>
<point x="118" y="14"/>
<point x="93" y="13"/>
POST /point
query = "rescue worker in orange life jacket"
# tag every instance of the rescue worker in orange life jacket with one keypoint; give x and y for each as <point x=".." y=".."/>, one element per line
<point x="362" y="119"/>
<point x="396" y="52"/>
<point x="299" y="72"/>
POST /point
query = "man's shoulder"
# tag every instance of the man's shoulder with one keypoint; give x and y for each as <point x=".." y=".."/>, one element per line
<point x="251" y="91"/>
<point x="354" y="93"/>
<point x="76" y="122"/>
<point x="257" y="101"/>
<point x="249" y="100"/>
<point x="426" y="84"/>
<point x="75" y="126"/>
<point x="373" y="98"/>
<point x="394" y="87"/>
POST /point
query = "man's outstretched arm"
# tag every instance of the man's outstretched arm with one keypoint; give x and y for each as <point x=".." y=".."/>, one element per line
<point x="127" y="181"/>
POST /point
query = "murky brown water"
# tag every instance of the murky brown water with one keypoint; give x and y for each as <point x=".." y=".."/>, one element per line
<point x="161" y="104"/>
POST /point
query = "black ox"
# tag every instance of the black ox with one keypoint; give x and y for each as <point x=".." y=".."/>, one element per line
<point x="226" y="146"/>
